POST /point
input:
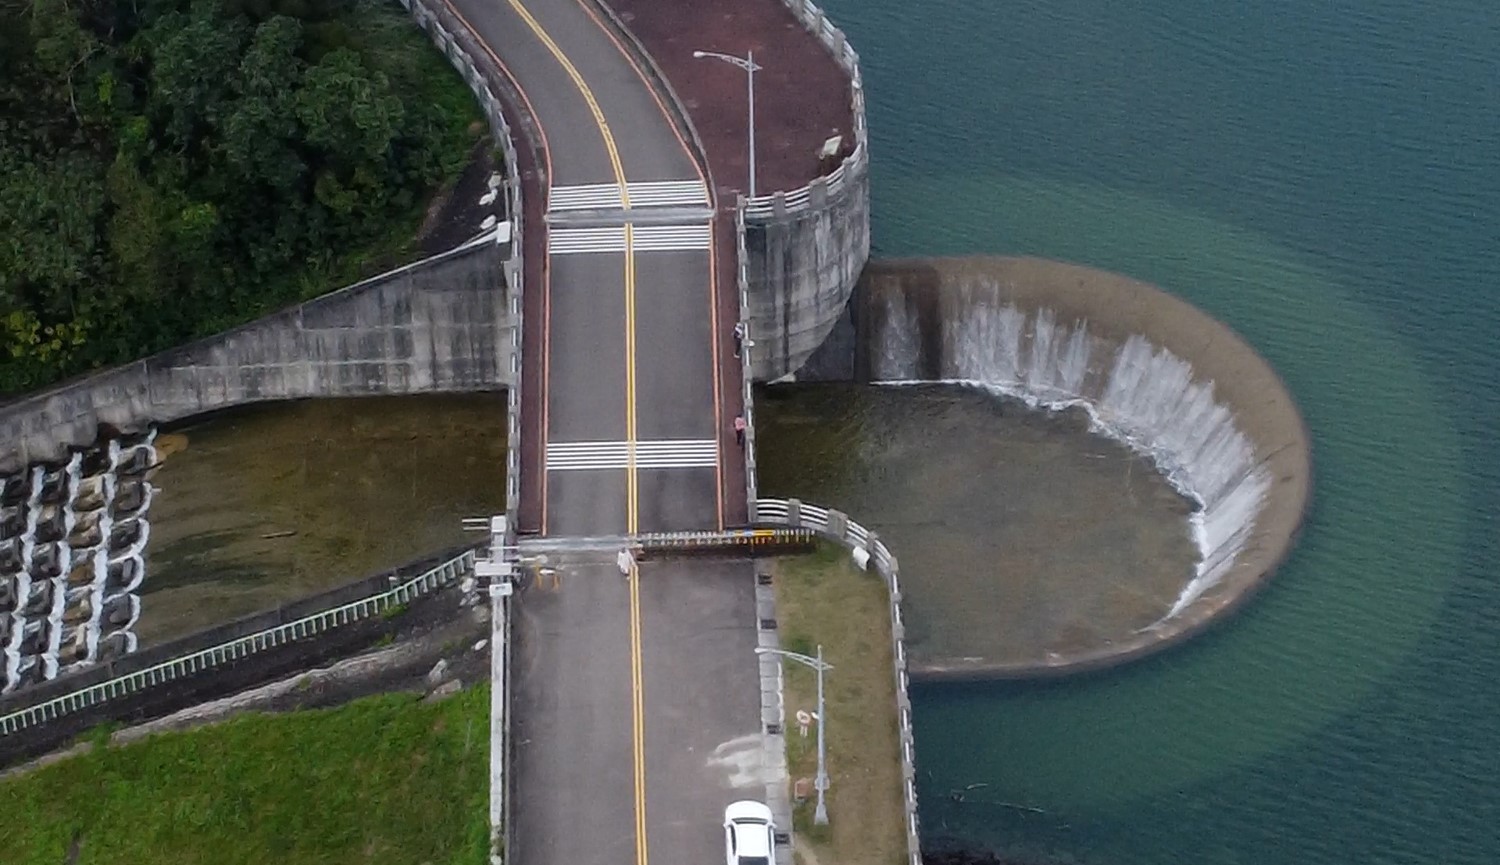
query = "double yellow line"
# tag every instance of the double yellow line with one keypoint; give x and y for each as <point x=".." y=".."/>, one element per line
<point x="632" y="506"/>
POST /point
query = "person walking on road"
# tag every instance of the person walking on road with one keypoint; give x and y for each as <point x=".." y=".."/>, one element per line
<point x="739" y="430"/>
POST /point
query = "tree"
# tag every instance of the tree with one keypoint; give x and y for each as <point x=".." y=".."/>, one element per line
<point x="260" y="130"/>
<point x="193" y="59"/>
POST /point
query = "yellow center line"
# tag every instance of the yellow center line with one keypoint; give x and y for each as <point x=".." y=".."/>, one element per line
<point x="632" y="508"/>
<point x="638" y="715"/>
<point x="632" y="503"/>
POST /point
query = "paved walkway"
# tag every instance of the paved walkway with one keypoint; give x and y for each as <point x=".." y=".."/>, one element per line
<point x="801" y="93"/>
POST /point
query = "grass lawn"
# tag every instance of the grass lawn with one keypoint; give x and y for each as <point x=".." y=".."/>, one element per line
<point x="386" y="779"/>
<point x="823" y="598"/>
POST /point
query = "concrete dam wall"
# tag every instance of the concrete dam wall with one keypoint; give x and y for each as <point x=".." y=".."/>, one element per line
<point x="440" y="325"/>
<point x="1152" y="371"/>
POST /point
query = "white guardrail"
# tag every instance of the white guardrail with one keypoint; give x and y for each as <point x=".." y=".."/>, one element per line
<point x="836" y="526"/>
<point x="239" y="648"/>
<point x="814" y="19"/>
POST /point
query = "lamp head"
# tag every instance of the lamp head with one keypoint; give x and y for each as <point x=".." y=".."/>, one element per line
<point x="699" y="55"/>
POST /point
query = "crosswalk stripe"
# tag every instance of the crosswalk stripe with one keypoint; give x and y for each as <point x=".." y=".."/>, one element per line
<point x="668" y="193"/>
<point x="646" y="193"/>
<point x="660" y="454"/>
<point x="645" y="238"/>
<point x="670" y="238"/>
<point x="586" y="196"/>
<point x="610" y="238"/>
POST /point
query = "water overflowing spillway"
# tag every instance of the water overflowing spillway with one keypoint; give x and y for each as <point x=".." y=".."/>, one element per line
<point x="1151" y="371"/>
<point x="72" y="541"/>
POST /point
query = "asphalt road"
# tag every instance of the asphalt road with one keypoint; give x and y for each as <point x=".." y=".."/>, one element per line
<point x="637" y="703"/>
<point x="629" y="334"/>
<point x="575" y="734"/>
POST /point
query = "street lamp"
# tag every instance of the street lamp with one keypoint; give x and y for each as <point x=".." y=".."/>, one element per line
<point x="820" y="814"/>
<point x="748" y="64"/>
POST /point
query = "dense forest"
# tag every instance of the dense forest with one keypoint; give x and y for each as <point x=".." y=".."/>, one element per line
<point x="170" y="168"/>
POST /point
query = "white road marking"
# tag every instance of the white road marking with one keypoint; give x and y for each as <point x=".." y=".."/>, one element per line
<point x="563" y="241"/>
<point x="671" y="238"/>
<point x="659" y="454"/>
<point x="645" y="238"/>
<point x="649" y="193"/>
<point x="668" y="193"/>
<point x="587" y="196"/>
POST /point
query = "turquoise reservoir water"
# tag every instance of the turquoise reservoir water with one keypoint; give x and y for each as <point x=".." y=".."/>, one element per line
<point x="1326" y="178"/>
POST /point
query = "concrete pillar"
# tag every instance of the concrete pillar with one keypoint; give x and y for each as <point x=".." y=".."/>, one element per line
<point x="794" y="513"/>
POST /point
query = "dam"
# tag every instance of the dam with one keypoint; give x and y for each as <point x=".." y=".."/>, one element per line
<point x="1127" y="359"/>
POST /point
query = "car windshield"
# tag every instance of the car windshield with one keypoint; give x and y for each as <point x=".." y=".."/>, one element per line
<point x="754" y="860"/>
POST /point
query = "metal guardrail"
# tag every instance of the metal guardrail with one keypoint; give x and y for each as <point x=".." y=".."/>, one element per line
<point x="817" y="22"/>
<point x="239" y="648"/>
<point x="836" y="526"/>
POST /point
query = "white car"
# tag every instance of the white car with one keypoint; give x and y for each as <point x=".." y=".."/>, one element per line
<point x="749" y="835"/>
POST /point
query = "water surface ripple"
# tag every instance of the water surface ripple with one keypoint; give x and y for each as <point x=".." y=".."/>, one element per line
<point x="1324" y="177"/>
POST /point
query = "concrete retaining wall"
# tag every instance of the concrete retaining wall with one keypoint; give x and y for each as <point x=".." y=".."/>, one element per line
<point x="804" y="249"/>
<point x="442" y="324"/>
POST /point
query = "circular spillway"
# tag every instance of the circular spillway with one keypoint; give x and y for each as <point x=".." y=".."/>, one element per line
<point x="1150" y="371"/>
<point x="1019" y="532"/>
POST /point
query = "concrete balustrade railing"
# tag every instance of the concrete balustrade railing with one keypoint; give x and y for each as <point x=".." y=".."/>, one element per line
<point x="223" y="654"/>
<point x="821" y="190"/>
<point x="868" y="552"/>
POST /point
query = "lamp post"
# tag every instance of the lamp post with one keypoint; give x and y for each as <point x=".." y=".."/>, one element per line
<point x="820" y="814"/>
<point x="748" y="64"/>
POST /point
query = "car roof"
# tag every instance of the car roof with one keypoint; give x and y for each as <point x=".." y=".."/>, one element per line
<point x="752" y="839"/>
<point x="750" y="821"/>
<point x="747" y="809"/>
